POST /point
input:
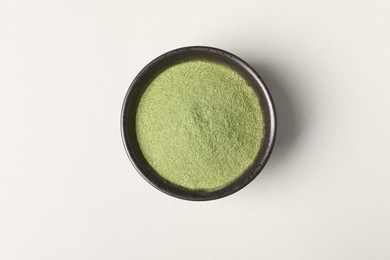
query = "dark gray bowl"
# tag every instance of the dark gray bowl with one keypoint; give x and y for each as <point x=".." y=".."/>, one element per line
<point x="138" y="87"/>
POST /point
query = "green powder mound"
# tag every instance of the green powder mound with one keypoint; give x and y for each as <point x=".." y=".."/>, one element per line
<point x="199" y="125"/>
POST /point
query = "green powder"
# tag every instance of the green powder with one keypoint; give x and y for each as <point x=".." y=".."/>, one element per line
<point x="199" y="125"/>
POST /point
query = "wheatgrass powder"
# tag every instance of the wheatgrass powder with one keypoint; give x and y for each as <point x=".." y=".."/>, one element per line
<point x="199" y="124"/>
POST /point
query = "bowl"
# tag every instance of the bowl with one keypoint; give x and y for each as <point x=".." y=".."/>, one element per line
<point x="141" y="82"/>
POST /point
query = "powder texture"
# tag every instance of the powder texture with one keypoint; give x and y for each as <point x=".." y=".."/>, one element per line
<point x="199" y="125"/>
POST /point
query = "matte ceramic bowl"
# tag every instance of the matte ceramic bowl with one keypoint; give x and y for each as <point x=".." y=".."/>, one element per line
<point x="138" y="87"/>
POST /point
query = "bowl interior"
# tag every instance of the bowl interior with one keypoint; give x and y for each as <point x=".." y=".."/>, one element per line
<point x="140" y="84"/>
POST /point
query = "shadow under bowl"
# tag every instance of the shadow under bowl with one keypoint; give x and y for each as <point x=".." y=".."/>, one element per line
<point x="138" y="87"/>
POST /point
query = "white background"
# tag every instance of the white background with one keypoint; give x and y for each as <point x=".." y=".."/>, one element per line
<point x="68" y="190"/>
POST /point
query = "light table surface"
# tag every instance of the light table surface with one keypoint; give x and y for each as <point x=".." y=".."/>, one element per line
<point x="68" y="190"/>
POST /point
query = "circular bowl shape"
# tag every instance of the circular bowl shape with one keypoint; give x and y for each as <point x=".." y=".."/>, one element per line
<point x="140" y="84"/>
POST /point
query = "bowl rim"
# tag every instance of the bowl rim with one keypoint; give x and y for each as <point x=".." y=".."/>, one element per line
<point x="272" y="121"/>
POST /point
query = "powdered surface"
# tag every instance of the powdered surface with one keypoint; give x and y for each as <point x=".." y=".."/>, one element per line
<point x="199" y="125"/>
